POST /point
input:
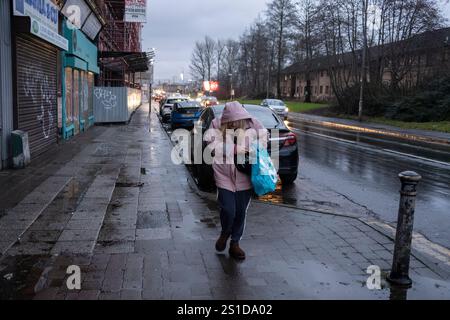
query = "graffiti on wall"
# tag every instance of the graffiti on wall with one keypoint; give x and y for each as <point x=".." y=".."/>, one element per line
<point x="106" y="97"/>
<point x="41" y="90"/>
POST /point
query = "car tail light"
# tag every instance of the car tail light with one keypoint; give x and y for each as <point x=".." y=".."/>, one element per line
<point x="291" y="139"/>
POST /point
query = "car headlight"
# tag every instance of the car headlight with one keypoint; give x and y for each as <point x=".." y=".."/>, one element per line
<point x="286" y="109"/>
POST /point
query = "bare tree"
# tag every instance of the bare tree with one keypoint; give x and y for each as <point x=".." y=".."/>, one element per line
<point x="307" y="42"/>
<point x="352" y="39"/>
<point x="198" y="65"/>
<point x="220" y="48"/>
<point x="230" y="63"/>
<point x="210" y="46"/>
<point x="281" y="15"/>
<point x="203" y="59"/>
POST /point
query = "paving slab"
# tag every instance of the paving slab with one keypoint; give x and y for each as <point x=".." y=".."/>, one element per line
<point x="156" y="240"/>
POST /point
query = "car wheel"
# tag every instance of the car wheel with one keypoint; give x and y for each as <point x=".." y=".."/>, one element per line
<point x="287" y="179"/>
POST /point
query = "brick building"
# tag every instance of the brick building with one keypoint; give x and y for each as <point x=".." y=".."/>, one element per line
<point x="404" y="64"/>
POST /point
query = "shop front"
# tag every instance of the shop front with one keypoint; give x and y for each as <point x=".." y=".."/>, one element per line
<point x="37" y="44"/>
<point x="78" y="71"/>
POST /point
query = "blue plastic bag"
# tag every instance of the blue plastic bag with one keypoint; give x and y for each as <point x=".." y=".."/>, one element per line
<point x="264" y="175"/>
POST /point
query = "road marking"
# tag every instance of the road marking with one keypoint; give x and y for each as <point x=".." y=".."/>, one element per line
<point x="417" y="157"/>
<point x="375" y="130"/>
<point x="333" y="138"/>
<point x="375" y="149"/>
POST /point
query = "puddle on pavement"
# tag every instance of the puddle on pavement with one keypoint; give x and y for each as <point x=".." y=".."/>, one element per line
<point x="189" y="226"/>
<point x="152" y="219"/>
<point x="191" y="222"/>
<point x="129" y="184"/>
<point x="65" y="202"/>
<point x="209" y="222"/>
<point x="315" y="280"/>
<point x="19" y="276"/>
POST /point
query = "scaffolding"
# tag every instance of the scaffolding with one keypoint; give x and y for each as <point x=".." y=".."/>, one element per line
<point x="119" y="46"/>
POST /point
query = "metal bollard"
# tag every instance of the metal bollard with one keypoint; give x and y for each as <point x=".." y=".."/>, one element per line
<point x="400" y="266"/>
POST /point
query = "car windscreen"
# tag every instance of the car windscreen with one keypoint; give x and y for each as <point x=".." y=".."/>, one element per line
<point x="172" y="101"/>
<point x="189" y="104"/>
<point x="276" y="103"/>
<point x="264" y="115"/>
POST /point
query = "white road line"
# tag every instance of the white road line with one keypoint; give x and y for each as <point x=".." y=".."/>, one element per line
<point x="417" y="157"/>
<point x="375" y="148"/>
<point x="325" y="136"/>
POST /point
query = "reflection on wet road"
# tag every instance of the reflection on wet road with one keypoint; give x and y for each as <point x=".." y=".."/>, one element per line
<point x="363" y="168"/>
<point x="356" y="173"/>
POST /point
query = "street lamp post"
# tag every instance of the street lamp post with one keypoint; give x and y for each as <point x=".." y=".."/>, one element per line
<point x="151" y="61"/>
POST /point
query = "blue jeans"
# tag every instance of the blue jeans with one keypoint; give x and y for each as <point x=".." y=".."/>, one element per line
<point x="233" y="209"/>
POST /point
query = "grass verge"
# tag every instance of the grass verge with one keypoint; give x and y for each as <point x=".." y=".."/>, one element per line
<point x="294" y="106"/>
<point x="442" y="126"/>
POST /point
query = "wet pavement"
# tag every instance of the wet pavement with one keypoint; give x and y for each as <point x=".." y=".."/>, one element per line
<point x="139" y="229"/>
<point x="357" y="173"/>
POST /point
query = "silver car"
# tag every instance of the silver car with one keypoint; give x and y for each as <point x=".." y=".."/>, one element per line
<point x="278" y="106"/>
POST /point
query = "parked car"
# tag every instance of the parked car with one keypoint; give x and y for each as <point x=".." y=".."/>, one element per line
<point x="288" y="147"/>
<point x="159" y="96"/>
<point x="208" y="101"/>
<point x="167" y="105"/>
<point x="184" y="114"/>
<point x="278" y="106"/>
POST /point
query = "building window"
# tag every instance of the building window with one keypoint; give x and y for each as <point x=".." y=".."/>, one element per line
<point x="321" y="89"/>
<point x="327" y="89"/>
<point x="321" y="73"/>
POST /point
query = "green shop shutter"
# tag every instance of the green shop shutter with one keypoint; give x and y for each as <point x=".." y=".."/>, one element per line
<point x="37" y="92"/>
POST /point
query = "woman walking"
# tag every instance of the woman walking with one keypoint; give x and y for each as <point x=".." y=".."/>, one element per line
<point x="234" y="188"/>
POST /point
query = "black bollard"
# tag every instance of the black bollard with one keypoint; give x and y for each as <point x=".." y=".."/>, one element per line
<point x="400" y="266"/>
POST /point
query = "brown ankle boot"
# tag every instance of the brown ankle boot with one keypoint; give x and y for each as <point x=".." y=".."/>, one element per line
<point x="221" y="243"/>
<point x="236" y="252"/>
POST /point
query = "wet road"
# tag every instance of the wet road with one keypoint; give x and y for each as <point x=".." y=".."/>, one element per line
<point x="357" y="174"/>
<point x="363" y="169"/>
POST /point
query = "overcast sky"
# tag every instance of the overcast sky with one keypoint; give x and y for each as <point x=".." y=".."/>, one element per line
<point x="173" y="26"/>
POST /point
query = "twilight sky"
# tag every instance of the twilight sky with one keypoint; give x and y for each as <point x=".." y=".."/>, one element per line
<point x="173" y="26"/>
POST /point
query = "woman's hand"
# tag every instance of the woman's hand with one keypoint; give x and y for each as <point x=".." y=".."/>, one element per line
<point x="238" y="149"/>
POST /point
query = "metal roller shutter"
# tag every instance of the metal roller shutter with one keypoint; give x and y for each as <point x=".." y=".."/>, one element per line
<point x="37" y="92"/>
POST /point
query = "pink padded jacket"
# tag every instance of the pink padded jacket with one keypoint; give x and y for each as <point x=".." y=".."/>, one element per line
<point x="225" y="174"/>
